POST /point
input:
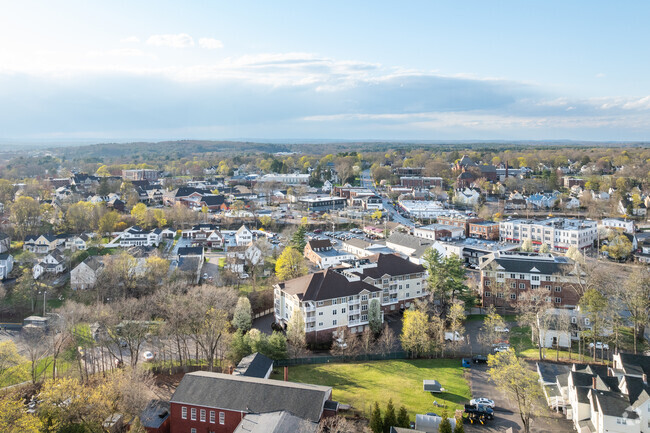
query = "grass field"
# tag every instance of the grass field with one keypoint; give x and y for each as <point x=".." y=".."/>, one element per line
<point x="361" y="384"/>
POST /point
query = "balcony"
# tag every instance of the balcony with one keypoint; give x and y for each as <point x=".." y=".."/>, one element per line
<point x="309" y="308"/>
<point x="354" y="302"/>
<point x="310" y="319"/>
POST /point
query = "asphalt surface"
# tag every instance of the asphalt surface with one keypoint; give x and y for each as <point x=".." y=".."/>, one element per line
<point x="506" y="413"/>
<point x="366" y="182"/>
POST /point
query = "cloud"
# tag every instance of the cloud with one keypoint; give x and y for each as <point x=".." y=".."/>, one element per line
<point x="600" y="75"/>
<point x="130" y="40"/>
<point x="210" y="43"/>
<point x="180" y="40"/>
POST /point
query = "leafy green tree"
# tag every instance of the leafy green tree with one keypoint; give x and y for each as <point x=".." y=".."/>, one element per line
<point x="139" y="212"/>
<point x="594" y="305"/>
<point x="618" y="248"/>
<point x="403" y="419"/>
<point x="459" y="426"/>
<point x="25" y="215"/>
<point x="277" y="347"/>
<point x="107" y="222"/>
<point x="390" y="419"/>
<point x="445" y="424"/>
<point x="374" y="316"/>
<point x="239" y="347"/>
<point x="517" y="381"/>
<point x="527" y="246"/>
<point x="298" y="239"/>
<point x="296" y="332"/>
<point x="243" y="315"/>
<point x="376" y="423"/>
<point x="446" y="279"/>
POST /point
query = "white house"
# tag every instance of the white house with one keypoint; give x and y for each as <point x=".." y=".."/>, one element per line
<point x="618" y="223"/>
<point x="467" y="197"/>
<point x="136" y="237"/>
<point x="77" y="243"/>
<point x="52" y="263"/>
<point x="84" y="275"/>
<point x="243" y="236"/>
<point x="5" y="242"/>
<point x="6" y="265"/>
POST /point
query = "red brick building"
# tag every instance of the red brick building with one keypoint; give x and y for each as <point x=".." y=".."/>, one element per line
<point x="484" y="230"/>
<point x="459" y="220"/>
<point x="511" y="277"/>
<point x="206" y="402"/>
<point x="421" y="182"/>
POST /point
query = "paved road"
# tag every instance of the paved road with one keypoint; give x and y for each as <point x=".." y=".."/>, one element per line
<point x="505" y="413"/>
<point x="366" y="182"/>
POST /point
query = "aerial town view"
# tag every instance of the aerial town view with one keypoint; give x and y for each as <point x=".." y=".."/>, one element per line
<point x="324" y="217"/>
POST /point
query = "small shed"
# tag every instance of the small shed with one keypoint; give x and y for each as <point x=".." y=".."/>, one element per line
<point x="432" y="386"/>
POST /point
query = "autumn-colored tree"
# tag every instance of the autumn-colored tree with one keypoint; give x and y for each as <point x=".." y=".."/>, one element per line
<point x="290" y="264"/>
<point x="415" y="333"/>
<point x="296" y="333"/>
<point x="139" y="212"/>
<point x="25" y="215"/>
<point x="14" y="417"/>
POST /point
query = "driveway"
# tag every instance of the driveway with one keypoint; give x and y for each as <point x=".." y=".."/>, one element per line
<point x="263" y="324"/>
<point x="506" y="413"/>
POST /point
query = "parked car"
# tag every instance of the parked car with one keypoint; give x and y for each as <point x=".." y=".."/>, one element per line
<point x="480" y="359"/>
<point x="482" y="401"/>
<point x="466" y="362"/>
<point x="148" y="356"/>
<point x="500" y="329"/>
<point x="453" y="336"/>
<point x="339" y="342"/>
<point x="502" y="348"/>
<point x="599" y="345"/>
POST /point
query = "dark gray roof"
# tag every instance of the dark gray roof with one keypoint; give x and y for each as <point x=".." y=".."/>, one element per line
<point x="252" y="395"/>
<point x="549" y="372"/>
<point x="94" y="263"/>
<point x="517" y="264"/>
<point x="420" y="245"/>
<point x="275" y="422"/>
<point x="189" y="264"/>
<point x="156" y="412"/>
<point x="323" y="285"/>
<point x="320" y="243"/>
<point x="638" y="391"/>
<point x="254" y="365"/>
<point x="635" y="364"/>
<point x="614" y="404"/>
<point x="213" y="200"/>
<point x="390" y="264"/>
<point x="190" y="251"/>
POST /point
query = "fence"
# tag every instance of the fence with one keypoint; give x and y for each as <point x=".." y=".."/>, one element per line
<point x="178" y="369"/>
<point x="340" y="358"/>
<point x="11" y="326"/>
<point x="262" y="313"/>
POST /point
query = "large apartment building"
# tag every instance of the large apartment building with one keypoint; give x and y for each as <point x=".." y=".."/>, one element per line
<point x="558" y="233"/>
<point x="340" y="297"/>
<point x="511" y="277"/>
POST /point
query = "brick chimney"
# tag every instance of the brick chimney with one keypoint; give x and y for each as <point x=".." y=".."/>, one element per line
<point x="286" y="374"/>
<point x="593" y="382"/>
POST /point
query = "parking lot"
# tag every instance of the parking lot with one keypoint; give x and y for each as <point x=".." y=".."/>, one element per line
<point x="506" y="413"/>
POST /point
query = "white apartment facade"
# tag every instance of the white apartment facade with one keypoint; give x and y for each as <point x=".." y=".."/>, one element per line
<point x="558" y="233"/>
<point x="341" y="297"/>
<point x="618" y="223"/>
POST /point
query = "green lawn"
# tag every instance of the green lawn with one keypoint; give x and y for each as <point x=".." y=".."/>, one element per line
<point x="361" y="384"/>
<point x="22" y="373"/>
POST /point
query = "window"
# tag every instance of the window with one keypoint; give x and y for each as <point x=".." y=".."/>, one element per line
<point x="222" y="418"/>
<point x="513" y="285"/>
<point x="500" y="275"/>
<point x="408" y="295"/>
<point x="320" y="313"/>
<point x="193" y="414"/>
<point x="334" y="301"/>
<point x="586" y="321"/>
<point x="500" y="295"/>
<point x="364" y="307"/>
<point x="487" y="283"/>
<point x="351" y="298"/>
<point x="202" y="415"/>
<point x="522" y="285"/>
<point x="621" y="421"/>
<point x="558" y="289"/>
<point x="364" y="317"/>
<point x="535" y="277"/>
<point x="320" y="303"/>
<point x="407" y="286"/>
<point x="574" y="320"/>
<point x="513" y="276"/>
<point x="342" y="310"/>
<point x="212" y="417"/>
<point x="343" y="300"/>
<point x="184" y="412"/>
<point x="334" y="312"/>
<point x="513" y="296"/>
<point x="522" y="276"/>
<point x="192" y="430"/>
<point x="548" y="287"/>
<point x="320" y="323"/>
<point x="334" y="322"/>
<point x="488" y="294"/>
<point x="364" y="297"/>
<point x="558" y="300"/>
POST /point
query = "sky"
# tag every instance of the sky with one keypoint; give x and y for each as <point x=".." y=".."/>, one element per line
<point x="349" y="70"/>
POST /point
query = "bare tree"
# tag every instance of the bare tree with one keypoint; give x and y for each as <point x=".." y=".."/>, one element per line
<point x="387" y="341"/>
<point x="37" y="350"/>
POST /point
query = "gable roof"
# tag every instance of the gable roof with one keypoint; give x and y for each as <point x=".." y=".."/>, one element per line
<point x="94" y="263"/>
<point x="275" y="422"/>
<point x="635" y="364"/>
<point x="213" y="200"/>
<point x="254" y="365"/>
<point x="251" y="395"/>
<point x="319" y="243"/>
<point x="323" y="285"/>
<point x="614" y="404"/>
<point x="190" y="251"/>
<point x="154" y="414"/>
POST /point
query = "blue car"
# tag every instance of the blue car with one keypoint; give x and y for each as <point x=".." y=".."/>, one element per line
<point x="467" y="362"/>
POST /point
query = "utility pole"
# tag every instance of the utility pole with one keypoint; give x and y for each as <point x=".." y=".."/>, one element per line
<point x="44" y="297"/>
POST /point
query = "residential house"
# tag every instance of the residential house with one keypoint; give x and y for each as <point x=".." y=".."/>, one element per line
<point x="561" y="326"/>
<point x="543" y="200"/>
<point x="5" y="242"/>
<point x="254" y="365"/>
<point x="412" y="247"/>
<point x="363" y="248"/>
<point x="323" y="254"/>
<point x="623" y="224"/>
<point x="135" y="236"/>
<point x="243" y="236"/>
<point x="459" y="220"/>
<point x="42" y="244"/>
<point x="84" y="275"/>
<point x="467" y="197"/>
<point x="6" y="265"/>
<point x="509" y="277"/>
<point x="77" y="243"/>
<point x="53" y="263"/>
